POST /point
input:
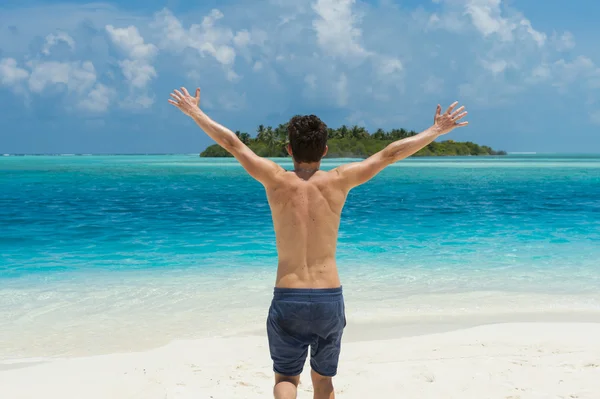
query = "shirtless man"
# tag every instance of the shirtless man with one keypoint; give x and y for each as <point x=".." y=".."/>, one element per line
<point x="308" y="307"/>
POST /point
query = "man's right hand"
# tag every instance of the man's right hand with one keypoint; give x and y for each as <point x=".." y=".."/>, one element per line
<point x="445" y="123"/>
<point x="185" y="102"/>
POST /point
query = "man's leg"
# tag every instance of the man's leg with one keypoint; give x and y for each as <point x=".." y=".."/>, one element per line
<point x="288" y="340"/>
<point x="322" y="386"/>
<point x="286" y="387"/>
<point x="329" y="321"/>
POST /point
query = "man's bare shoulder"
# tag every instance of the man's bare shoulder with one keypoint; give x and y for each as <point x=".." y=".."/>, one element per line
<point x="328" y="178"/>
<point x="329" y="175"/>
<point x="333" y="174"/>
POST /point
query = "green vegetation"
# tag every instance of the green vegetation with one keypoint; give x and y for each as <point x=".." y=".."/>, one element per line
<point x="353" y="142"/>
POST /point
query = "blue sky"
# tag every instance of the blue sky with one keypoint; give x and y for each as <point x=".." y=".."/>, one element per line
<point x="95" y="77"/>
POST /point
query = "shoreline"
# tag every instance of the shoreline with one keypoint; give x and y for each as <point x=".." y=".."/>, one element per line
<point x="85" y="343"/>
<point x="525" y="360"/>
<point x="89" y="318"/>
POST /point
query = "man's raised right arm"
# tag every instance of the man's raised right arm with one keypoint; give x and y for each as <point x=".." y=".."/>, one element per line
<point x="357" y="173"/>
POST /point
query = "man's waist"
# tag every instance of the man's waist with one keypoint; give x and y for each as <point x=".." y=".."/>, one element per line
<point x="308" y="294"/>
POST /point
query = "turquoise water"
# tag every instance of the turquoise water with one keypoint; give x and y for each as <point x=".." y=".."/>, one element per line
<point x="103" y="237"/>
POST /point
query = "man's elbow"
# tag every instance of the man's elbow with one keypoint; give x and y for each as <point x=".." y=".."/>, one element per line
<point x="400" y="152"/>
<point x="390" y="155"/>
<point x="228" y="145"/>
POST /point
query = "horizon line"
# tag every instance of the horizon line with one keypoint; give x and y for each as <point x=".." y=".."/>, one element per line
<point x="198" y="153"/>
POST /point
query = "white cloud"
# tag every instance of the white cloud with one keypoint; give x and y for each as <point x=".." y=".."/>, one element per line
<point x="138" y="72"/>
<point x="206" y="38"/>
<point x="565" y="42"/>
<point x="336" y="30"/>
<point x="495" y="67"/>
<point x="541" y="72"/>
<point x="451" y="21"/>
<point x="98" y="100"/>
<point x="488" y="19"/>
<point x="224" y="54"/>
<point x="173" y="35"/>
<point x="136" y="67"/>
<point x="76" y="76"/>
<point x="138" y="102"/>
<point x="54" y="38"/>
<point x="580" y="68"/>
<point x="79" y="79"/>
<point x="242" y="38"/>
<point x="211" y="39"/>
<point x="389" y="66"/>
<point x="232" y="76"/>
<point x="562" y="73"/>
<point x="538" y="37"/>
<point x="131" y="42"/>
<point x="10" y="73"/>
<point x="257" y="66"/>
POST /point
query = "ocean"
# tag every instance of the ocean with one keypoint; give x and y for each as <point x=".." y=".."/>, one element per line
<point x="102" y="254"/>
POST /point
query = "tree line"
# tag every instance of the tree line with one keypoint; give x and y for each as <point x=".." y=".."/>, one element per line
<point x="348" y="142"/>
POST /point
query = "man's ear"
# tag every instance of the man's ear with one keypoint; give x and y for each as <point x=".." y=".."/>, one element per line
<point x="289" y="150"/>
<point x="326" y="149"/>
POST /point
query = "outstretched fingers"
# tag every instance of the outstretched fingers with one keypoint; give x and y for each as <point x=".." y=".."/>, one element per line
<point x="175" y="96"/>
<point x="451" y="107"/>
<point x="180" y="96"/>
<point x="175" y="103"/>
<point x="459" y="116"/>
<point x="458" y="111"/>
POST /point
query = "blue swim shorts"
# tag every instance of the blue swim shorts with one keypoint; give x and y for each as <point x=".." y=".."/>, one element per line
<point x="299" y="318"/>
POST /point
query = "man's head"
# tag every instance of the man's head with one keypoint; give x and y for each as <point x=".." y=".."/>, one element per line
<point x="308" y="138"/>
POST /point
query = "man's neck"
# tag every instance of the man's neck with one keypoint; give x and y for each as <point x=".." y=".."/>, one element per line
<point x="305" y="170"/>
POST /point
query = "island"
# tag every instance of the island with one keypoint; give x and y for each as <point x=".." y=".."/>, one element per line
<point x="348" y="142"/>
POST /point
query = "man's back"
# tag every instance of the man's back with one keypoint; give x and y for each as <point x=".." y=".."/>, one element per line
<point x="306" y="217"/>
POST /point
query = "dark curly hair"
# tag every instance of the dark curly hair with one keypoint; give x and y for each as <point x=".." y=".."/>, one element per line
<point x="308" y="138"/>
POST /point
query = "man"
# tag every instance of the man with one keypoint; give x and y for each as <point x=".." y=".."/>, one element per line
<point x="306" y="204"/>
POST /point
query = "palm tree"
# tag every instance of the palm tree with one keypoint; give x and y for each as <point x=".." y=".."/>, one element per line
<point x="379" y="134"/>
<point x="281" y="138"/>
<point x="343" y="131"/>
<point x="358" y="132"/>
<point x="260" y="132"/>
<point x="245" y="137"/>
<point x="397" y="134"/>
<point x="269" y="138"/>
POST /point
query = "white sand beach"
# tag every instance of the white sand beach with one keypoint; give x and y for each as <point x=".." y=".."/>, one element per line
<point x="504" y="361"/>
